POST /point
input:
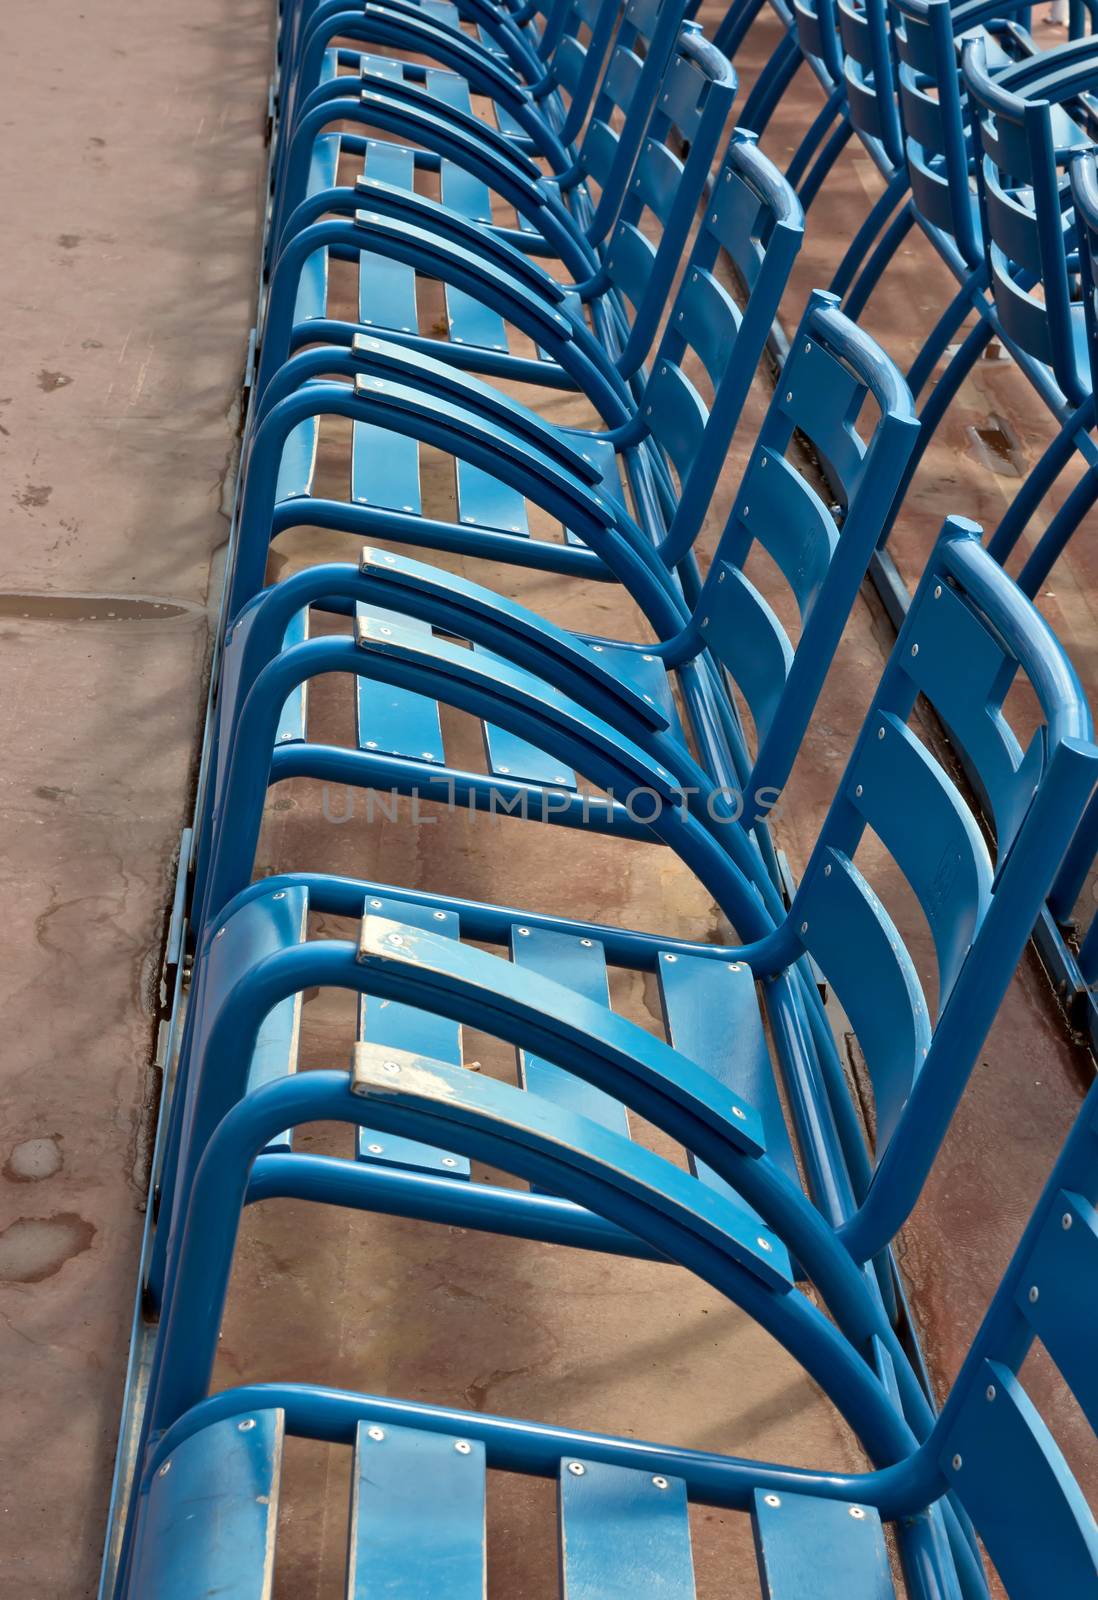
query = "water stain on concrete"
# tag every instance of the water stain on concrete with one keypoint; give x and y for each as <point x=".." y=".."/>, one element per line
<point x="35" y="494"/>
<point x="49" y="381"/>
<point x="34" y="1248"/>
<point x="92" y="608"/>
<point x="33" y="1160"/>
<point x="68" y="241"/>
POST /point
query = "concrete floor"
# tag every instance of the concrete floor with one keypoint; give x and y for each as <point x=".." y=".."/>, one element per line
<point x="131" y="266"/>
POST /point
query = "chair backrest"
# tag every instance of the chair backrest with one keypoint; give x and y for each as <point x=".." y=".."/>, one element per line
<point x="979" y="908"/>
<point x="821" y="551"/>
<point x="660" y="204"/>
<point x="817" y="25"/>
<point x="869" y="78"/>
<point x="1084" y="192"/>
<point x="995" y="1448"/>
<point x="576" y="38"/>
<point x="1027" y="224"/>
<point x="936" y="136"/>
<point x="754" y="220"/>
<point x="627" y="92"/>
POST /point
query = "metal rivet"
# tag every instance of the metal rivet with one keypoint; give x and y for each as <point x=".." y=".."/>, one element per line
<point x="914" y="649"/>
<point x="440" y="916"/>
<point x="746" y="511"/>
<point x="587" y="943"/>
<point x="503" y="769"/>
<point x="734" y="966"/>
<point x="660" y="1483"/>
<point x="989" y="1392"/>
<point x="559" y="777"/>
<point x="597" y="648"/>
<point x="391" y="1066"/>
<point x="857" y="1513"/>
<point x="789" y="394"/>
<point x="1065" y="1220"/>
<point x="880" y="733"/>
<point x="282" y="738"/>
<point x="426" y="755"/>
<point x="705" y="622"/>
<point x="280" y="894"/>
<point x="827" y="870"/>
<point x="165" y="1469"/>
<point x="375" y="905"/>
<point x="449" y="1161"/>
<point x="858" y="789"/>
<point x="1034" y="1295"/>
<point x="371" y="744"/>
<point x="220" y="932"/>
<point x="958" y="1463"/>
<point x="764" y="1244"/>
<point x="937" y="591"/>
<point x="376" y="1434"/>
<point x="771" y="1500"/>
<point x="577" y="1469"/>
<point x="670" y="958"/>
<point x="463" y="1447"/>
<point x="396" y="938"/>
<point x="648" y="658"/>
<point x="721" y="577"/>
<point x="807" y="348"/>
<point x="739" y="1113"/>
<point x="523" y="933"/>
<point x="247" y="1425"/>
<point x="375" y="1149"/>
<point x="804" y="927"/>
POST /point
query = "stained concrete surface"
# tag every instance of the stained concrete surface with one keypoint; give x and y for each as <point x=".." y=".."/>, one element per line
<point x="131" y="159"/>
<point x="128" y="438"/>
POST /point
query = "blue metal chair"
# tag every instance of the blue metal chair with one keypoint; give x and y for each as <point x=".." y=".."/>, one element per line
<point x="396" y="236"/>
<point x="474" y="161"/>
<point x="204" y="1514"/>
<point x="591" y="1186"/>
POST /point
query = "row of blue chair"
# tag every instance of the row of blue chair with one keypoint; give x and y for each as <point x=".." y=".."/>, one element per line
<point x="974" y="131"/>
<point x="787" y="1204"/>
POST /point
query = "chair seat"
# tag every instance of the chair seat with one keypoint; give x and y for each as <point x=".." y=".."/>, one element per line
<point x="208" y="1524"/>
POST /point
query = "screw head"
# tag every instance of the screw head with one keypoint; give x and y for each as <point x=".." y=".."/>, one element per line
<point x="858" y="789"/>
<point x="827" y="870"/>
<point x="1065" y="1221"/>
<point x="577" y="1469"/>
<point x="669" y="957"/>
<point x="376" y="1434"/>
<point x="449" y="1161"/>
<point x="375" y="905"/>
<point x="804" y="927"/>
<point x="937" y="591"/>
<point x="880" y="733"/>
<point x="1034" y="1295"/>
<point x="957" y="1463"/>
<point x="440" y="916"/>
<point x="246" y="1426"/>
<point x="764" y="1244"/>
<point x="523" y="933"/>
<point x="463" y="1447"/>
<point x="587" y="943"/>
<point x="789" y="394"/>
<point x="390" y="1066"/>
<point x="771" y="1500"/>
<point x="165" y="1469"/>
<point x="857" y="1513"/>
<point x="914" y="649"/>
<point x="739" y="1113"/>
<point x="660" y="1483"/>
<point x="989" y="1393"/>
<point x="375" y="1149"/>
<point x="279" y="894"/>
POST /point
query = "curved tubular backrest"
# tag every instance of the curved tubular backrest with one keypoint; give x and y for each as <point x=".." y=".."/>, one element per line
<point x="980" y="915"/>
<point x="868" y="75"/>
<point x="832" y="368"/>
<point x="991" y="1442"/>
<point x="1026" y="232"/>
<point x="693" y="106"/>
<point x="753" y="216"/>
<point x="936" y="140"/>
<point x="623" y="105"/>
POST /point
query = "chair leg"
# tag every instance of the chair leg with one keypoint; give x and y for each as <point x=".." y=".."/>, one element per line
<point x="808" y="190"/>
<point x="870" y="228"/>
<point x="1039" y="481"/>
<point x="918" y="374"/>
<point x="772" y="83"/>
<point x="736" y="26"/>
<point x="870" y="275"/>
<point x="1051" y="544"/>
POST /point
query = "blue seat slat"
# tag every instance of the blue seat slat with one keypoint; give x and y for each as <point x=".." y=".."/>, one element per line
<point x="582" y="967"/>
<point x="648" y="676"/>
<point x="390" y="1022"/>
<point x="472" y="322"/>
<point x="387" y="289"/>
<point x="812" y="1549"/>
<point x="629" y="261"/>
<point x="677" y="415"/>
<point x="466" y="193"/>
<point x="295" y="470"/>
<point x="417" y="1516"/>
<point x="291" y="724"/>
<point x="449" y="87"/>
<point x="657" y="177"/>
<point x="384" y="469"/>
<point x="1019" y="1492"/>
<point x="516" y="758"/>
<point x="913" y="807"/>
<point x="489" y="503"/>
<point x="709" y="320"/>
<point x="851" y="936"/>
<point x="787" y="517"/>
<point x="712" y="1014"/>
<point x="622" y="1535"/>
<point x="1064" y="1270"/>
<point x="392" y="720"/>
<point x="387" y="67"/>
<point x="207" y="1523"/>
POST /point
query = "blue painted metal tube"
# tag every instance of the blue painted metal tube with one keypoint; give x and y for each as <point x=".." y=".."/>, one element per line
<point x="425" y="1197"/>
<point x="537" y="1448"/>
